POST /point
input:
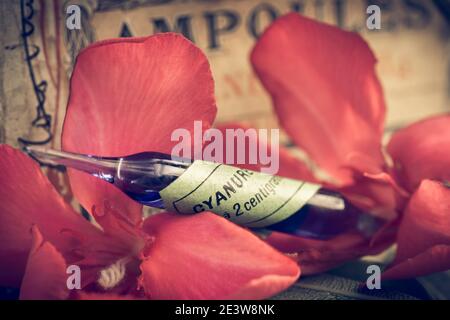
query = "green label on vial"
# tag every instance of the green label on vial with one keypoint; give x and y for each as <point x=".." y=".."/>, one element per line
<point x="245" y="197"/>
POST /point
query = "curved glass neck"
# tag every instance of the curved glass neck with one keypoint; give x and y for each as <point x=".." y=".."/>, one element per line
<point x="146" y="163"/>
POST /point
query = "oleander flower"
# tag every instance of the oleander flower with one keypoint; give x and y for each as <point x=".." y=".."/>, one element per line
<point x="127" y="96"/>
<point x="328" y="98"/>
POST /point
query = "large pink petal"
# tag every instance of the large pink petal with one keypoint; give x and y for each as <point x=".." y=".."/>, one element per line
<point x="127" y="96"/>
<point x="206" y="257"/>
<point x="421" y="151"/>
<point x="45" y="276"/>
<point x="424" y="233"/>
<point x="316" y="256"/>
<point x="27" y="198"/>
<point x="325" y="92"/>
<point x="377" y="194"/>
<point x="434" y="259"/>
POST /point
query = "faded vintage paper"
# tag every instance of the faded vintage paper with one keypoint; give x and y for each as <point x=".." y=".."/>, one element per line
<point x="248" y="198"/>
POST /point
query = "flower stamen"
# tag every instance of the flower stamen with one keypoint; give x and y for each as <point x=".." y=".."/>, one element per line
<point x="111" y="276"/>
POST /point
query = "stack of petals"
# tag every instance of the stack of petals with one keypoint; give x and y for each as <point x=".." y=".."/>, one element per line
<point x="330" y="102"/>
<point x="128" y="95"/>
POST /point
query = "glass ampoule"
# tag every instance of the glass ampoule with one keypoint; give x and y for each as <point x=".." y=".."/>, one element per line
<point x="146" y="176"/>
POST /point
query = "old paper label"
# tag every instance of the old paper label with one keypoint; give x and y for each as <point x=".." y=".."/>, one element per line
<point x="245" y="197"/>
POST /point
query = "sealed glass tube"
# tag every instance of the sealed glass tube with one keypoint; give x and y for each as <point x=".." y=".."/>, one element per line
<point x="251" y="199"/>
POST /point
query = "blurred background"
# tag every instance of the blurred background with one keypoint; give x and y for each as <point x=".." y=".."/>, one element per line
<point x="412" y="47"/>
<point x="38" y="50"/>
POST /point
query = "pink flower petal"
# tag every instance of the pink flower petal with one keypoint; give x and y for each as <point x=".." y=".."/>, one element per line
<point x="204" y="256"/>
<point x="45" y="276"/>
<point x="434" y="259"/>
<point x="27" y="198"/>
<point x="127" y="96"/>
<point x="325" y="92"/>
<point x="424" y="233"/>
<point x="421" y="151"/>
<point x="289" y="165"/>
<point x="124" y="231"/>
<point x="316" y="256"/>
<point x="377" y="194"/>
